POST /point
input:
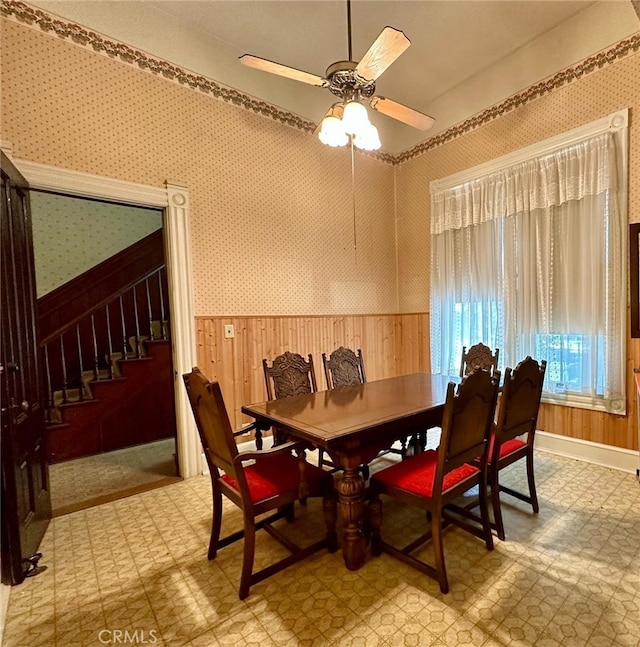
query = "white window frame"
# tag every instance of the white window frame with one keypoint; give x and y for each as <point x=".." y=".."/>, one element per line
<point x="616" y="123"/>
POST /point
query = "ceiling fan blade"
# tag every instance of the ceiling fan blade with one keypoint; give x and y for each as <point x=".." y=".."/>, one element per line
<point x="402" y="113"/>
<point x="385" y="49"/>
<point x="282" y="70"/>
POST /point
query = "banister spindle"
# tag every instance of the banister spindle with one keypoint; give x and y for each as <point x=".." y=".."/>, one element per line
<point x="124" y="330"/>
<point x="163" y="334"/>
<point x="81" y="387"/>
<point x="150" y="310"/>
<point x="50" y="402"/>
<point x="64" y="370"/>
<point x="109" y="344"/>
<point x="136" y="320"/>
<point x="96" y="370"/>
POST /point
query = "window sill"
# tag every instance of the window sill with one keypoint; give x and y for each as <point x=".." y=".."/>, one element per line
<point x="616" y="407"/>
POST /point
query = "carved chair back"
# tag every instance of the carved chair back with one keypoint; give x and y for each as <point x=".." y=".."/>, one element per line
<point x="290" y="374"/>
<point x="467" y="420"/>
<point x="343" y="368"/>
<point x="520" y="401"/>
<point x="478" y="356"/>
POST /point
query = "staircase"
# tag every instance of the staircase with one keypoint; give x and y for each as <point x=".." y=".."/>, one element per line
<point x="108" y="369"/>
<point x="134" y="406"/>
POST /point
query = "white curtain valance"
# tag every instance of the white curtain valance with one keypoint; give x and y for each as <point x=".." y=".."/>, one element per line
<point x="587" y="168"/>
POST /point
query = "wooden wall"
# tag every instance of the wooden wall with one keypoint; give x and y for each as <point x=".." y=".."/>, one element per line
<point x="392" y="344"/>
<point x="594" y="426"/>
<point x="598" y="426"/>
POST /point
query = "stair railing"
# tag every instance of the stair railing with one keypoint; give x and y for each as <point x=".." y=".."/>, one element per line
<point x="96" y="333"/>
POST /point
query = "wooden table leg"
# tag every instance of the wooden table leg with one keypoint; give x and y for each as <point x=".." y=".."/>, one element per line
<point x="351" y="497"/>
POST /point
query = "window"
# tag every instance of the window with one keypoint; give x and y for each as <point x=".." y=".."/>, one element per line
<point x="528" y="256"/>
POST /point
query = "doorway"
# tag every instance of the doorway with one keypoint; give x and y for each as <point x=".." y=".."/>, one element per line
<point x="174" y="199"/>
<point x="86" y="252"/>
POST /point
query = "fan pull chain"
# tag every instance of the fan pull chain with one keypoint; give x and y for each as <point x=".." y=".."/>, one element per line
<point x="353" y="192"/>
<point x="349" y="28"/>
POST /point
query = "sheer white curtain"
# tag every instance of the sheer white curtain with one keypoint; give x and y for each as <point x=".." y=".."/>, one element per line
<point x="529" y="259"/>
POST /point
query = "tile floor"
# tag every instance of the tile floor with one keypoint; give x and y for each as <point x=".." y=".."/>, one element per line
<point x="134" y="571"/>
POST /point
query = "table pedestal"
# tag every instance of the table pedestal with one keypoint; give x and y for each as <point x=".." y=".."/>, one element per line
<point x="351" y="498"/>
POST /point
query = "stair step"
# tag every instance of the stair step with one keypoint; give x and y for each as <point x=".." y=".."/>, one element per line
<point x="89" y="376"/>
<point x="54" y="426"/>
<point x="77" y="403"/>
<point x="73" y="395"/>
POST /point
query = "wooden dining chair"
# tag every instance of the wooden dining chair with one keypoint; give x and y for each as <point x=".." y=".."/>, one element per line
<point x="513" y="434"/>
<point x="258" y="482"/>
<point x="433" y="479"/>
<point x="289" y="374"/>
<point x="343" y="367"/>
<point x="478" y="356"/>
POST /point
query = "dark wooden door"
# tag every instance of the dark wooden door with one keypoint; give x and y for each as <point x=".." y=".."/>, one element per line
<point x="26" y="501"/>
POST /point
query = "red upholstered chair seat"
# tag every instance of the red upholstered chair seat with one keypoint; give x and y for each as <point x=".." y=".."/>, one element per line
<point x="506" y="448"/>
<point x="417" y="474"/>
<point x="269" y="478"/>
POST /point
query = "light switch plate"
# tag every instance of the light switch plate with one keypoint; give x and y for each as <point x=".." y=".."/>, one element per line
<point x="229" y="332"/>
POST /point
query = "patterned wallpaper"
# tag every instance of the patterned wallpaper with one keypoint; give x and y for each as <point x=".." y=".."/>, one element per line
<point x="71" y="235"/>
<point x="272" y="223"/>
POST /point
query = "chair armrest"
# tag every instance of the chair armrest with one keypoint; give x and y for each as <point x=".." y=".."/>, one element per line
<point x="246" y="430"/>
<point x="265" y="453"/>
<point x="299" y="447"/>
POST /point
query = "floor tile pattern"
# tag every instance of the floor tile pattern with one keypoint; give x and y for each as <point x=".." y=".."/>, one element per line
<point x="135" y="571"/>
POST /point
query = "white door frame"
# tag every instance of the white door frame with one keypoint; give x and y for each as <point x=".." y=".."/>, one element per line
<point x="174" y="199"/>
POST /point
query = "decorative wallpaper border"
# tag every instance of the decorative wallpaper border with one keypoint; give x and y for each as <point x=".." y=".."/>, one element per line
<point x="620" y="50"/>
<point x="22" y="12"/>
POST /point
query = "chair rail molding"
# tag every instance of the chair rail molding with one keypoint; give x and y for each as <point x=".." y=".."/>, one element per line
<point x="174" y="199"/>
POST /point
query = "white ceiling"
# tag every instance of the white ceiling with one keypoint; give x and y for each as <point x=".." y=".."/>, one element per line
<point x="465" y="55"/>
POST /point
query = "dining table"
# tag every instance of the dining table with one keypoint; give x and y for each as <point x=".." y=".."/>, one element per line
<point x="353" y="424"/>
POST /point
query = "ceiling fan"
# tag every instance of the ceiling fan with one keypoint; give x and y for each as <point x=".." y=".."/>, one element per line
<point x="354" y="82"/>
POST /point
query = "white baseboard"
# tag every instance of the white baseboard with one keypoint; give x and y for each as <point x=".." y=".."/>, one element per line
<point x="626" y="460"/>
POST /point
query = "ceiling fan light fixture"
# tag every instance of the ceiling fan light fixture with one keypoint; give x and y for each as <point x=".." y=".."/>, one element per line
<point x="354" y="82"/>
<point x="355" y="118"/>
<point x="367" y="138"/>
<point x="332" y="132"/>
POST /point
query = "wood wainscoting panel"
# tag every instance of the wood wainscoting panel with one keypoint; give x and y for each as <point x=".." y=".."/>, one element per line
<point x="598" y="426"/>
<point x="392" y="344"/>
<point x="594" y="426"/>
